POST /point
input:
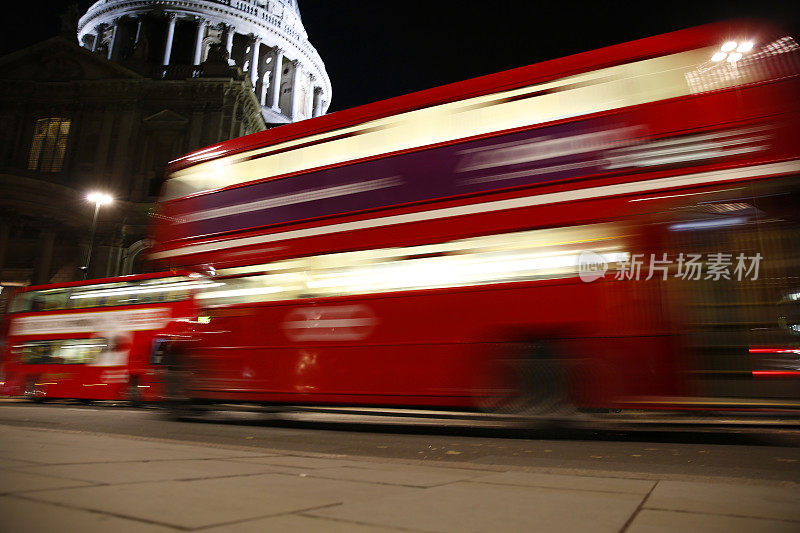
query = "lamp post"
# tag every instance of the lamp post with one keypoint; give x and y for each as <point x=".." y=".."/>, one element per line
<point x="99" y="199"/>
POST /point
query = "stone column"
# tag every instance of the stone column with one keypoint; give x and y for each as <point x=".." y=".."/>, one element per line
<point x="264" y="86"/>
<point x="196" y="124"/>
<point x="275" y="87"/>
<point x="44" y="257"/>
<point x="127" y="118"/>
<point x="198" y="41"/>
<point x="230" y="32"/>
<point x="295" y="89"/>
<point x="173" y="18"/>
<point x="112" y="48"/>
<point x="254" y="61"/>
<point x="100" y="29"/>
<point x="217" y="118"/>
<point x="112" y="263"/>
<point x="232" y="122"/>
<point x="138" y="30"/>
<point x="317" y="101"/>
<point x="310" y="96"/>
<point x="109" y="113"/>
<point x="111" y="41"/>
<point x="5" y="229"/>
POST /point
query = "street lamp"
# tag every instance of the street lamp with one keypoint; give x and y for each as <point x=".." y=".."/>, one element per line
<point x="99" y="199"/>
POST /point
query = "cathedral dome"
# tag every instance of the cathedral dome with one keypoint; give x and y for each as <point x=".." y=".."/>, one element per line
<point x="173" y="39"/>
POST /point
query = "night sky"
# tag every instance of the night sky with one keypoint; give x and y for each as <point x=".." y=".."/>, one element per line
<point x="376" y="49"/>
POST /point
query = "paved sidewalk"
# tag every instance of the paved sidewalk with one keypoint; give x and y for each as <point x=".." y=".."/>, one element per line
<point x="67" y="481"/>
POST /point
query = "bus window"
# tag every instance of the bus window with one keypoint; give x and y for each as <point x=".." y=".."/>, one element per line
<point x="69" y="351"/>
<point x="520" y="256"/>
<point x="95" y="296"/>
<point x="256" y="288"/>
<point x="44" y="300"/>
<point x="54" y="299"/>
<point x="22" y="302"/>
<point x="81" y="351"/>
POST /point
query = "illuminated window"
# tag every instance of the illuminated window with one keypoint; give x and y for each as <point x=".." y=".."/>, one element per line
<point x="149" y="291"/>
<point x="49" y="144"/>
<point x="550" y="253"/>
<point x="62" y="352"/>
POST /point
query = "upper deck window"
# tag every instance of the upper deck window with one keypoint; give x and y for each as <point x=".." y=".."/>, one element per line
<point x="549" y="253"/>
<point x="148" y="291"/>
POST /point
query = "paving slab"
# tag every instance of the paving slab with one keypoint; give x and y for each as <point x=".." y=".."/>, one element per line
<point x="299" y="461"/>
<point x="141" y="471"/>
<point x="304" y="524"/>
<point x="405" y="475"/>
<point x="468" y="506"/>
<point x="12" y="463"/>
<point x="556" y="481"/>
<point x="14" y="482"/>
<point x="755" y="501"/>
<point x="652" y="521"/>
<point x="54" y="447"/>
<point x="205" y="503"/>
<point x="23" y="516"/>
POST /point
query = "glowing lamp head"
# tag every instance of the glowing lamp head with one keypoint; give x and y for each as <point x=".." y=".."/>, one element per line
<point x="719" y="56"/>
<point x="730" y="45"/>
<point x="733" y="57"/>
<point x="99" y="198"/>
<point x="745" y="47"/>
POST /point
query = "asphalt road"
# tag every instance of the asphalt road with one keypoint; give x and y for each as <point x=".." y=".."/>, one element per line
<point x="752" y="453"/>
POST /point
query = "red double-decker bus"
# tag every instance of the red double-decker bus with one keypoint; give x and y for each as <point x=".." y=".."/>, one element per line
<point x="93" y="340"/>
<point x="615" y="229"/>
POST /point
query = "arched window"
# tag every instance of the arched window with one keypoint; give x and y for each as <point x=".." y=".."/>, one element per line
<point x="49" y="144"/>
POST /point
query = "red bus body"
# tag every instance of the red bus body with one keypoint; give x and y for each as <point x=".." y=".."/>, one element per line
<point x="412" y="252"/>
<point x="92" y="340"/>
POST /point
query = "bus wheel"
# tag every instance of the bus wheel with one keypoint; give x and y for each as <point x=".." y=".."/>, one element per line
<point x="530" y="380"/>
<point x="132" y="396"/>
<point x="177" y="403"/>
<point x="181" y="408"/>
<point x="543" y="378"/>
<point x="32" y="390"/>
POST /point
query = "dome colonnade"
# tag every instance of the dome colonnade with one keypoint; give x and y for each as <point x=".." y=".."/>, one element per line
<point x="265" y="38"/>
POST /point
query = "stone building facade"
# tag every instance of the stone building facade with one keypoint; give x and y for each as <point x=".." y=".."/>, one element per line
<point x="78" y="117"/>
<point x="265" y="38"/>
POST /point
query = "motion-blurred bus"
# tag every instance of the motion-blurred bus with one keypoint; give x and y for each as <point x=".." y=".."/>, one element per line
<point x="95" y="339"/>
<point x="612" y="230"/>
